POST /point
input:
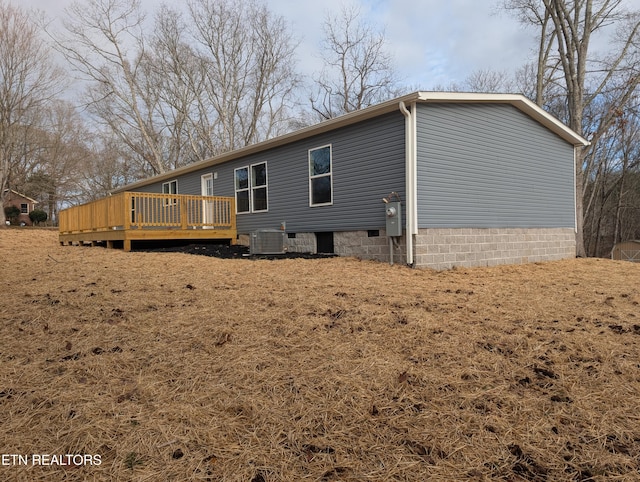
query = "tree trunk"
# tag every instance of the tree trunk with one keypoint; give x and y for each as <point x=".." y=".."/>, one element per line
<point x="617" y="229"/>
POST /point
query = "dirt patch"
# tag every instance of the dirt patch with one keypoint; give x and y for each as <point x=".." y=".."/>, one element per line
<point x="170" y="366"/>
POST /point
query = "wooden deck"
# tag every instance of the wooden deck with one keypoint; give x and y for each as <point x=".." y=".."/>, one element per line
<point x="135" y="216"/>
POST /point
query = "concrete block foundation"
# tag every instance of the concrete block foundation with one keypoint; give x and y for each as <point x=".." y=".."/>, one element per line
<point x="360" y="244"/>
<point x="445" y="248"/>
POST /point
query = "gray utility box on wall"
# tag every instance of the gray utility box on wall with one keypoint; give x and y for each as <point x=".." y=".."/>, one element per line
<point x="394" y="218"/>
<point x="267" y="241"/>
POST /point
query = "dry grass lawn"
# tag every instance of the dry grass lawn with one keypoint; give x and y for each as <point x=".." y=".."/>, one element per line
<point x="180" y="367"/>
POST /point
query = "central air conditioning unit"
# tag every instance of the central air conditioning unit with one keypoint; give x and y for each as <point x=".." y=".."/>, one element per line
<point x="267" y="241"/>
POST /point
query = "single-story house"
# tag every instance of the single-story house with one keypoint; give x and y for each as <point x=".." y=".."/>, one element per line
<point x="24" y="203"/>
<point x="482" y="179"/>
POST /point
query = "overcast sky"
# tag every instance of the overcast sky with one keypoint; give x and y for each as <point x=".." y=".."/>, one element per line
<point x="433" y="42"/>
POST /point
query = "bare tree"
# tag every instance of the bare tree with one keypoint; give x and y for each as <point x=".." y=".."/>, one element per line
<point x="217" y="76"/>
<point x="358" y="70"/>
<point x="246" y="79"/>
<point x="611" y="204"/>
<point x="566" y="60"/>
<point x="105" y="42"/>
<point x="108" y="166"/>
<point x="628" y="197"/>
<point x="543" y="70"/>
<point x="28" y="81"/>
<point x="483" y="80"/>
<point x="169" y="74"/>
<point x="54" y="180"/>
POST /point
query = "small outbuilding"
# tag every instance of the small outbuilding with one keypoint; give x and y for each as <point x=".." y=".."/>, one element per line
<point x="627" y="251"/>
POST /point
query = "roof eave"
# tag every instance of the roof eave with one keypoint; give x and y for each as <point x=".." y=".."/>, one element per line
<point x="22" y="196"/>
<point x="517" y="100"/>
<point x="335" y="123"/>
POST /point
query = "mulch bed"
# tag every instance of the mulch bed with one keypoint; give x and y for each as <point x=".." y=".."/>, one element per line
<point x="226" y="251"/>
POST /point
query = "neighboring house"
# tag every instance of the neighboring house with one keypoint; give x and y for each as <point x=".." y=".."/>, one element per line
<point x="484" y="179"/>
<point x="24" y="203"/>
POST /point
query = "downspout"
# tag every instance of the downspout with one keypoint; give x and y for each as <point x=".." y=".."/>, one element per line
<point x="410" y="178"/>
<point x="575" y="190"/>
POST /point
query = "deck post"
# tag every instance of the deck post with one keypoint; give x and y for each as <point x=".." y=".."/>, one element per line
<point x="184" y="213"/>
<point x="129" y="208"/>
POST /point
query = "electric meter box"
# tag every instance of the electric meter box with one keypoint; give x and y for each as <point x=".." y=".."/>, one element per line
<point x="394" y="218"/>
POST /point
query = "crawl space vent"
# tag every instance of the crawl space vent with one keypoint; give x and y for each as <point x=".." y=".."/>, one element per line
<point x="267" y="241"/>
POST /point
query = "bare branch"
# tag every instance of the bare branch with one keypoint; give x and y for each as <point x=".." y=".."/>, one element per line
<point x="29" y="81"/>
<point x="358" y="70"/>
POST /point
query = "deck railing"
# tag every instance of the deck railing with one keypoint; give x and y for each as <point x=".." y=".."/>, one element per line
<point x="138" y="210"/>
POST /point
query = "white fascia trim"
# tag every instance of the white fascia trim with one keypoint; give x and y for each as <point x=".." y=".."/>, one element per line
<point x="22" y="196"/>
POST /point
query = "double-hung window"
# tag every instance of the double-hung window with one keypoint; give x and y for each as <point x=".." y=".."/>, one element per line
<point x="320" y="178"/>
<point x="242" y="190"/>
<point x="251" y="188"/>
<point x="259" y="187"/>
<point x="170" y="187"/>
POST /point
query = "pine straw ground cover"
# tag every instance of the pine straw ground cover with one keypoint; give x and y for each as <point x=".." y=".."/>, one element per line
<point x="179" y="367"/>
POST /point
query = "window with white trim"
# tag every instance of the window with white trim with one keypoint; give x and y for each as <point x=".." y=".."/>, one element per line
<point x="242" y="189"/>
<point x="24" y="208"/>
<point x="320" y="177"/>
<point x="259" y="187"/>
<point x="251" y="188"/>
<point x="170" y="187"/>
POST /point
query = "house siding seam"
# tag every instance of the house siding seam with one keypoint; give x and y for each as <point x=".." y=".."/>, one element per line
<point x="490" y="165"/>
<point x="367" y="162"/>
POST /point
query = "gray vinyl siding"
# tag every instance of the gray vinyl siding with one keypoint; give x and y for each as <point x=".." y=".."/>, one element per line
<point x="491" y="166"/>
<point x="367" y="163"/>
